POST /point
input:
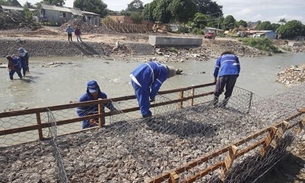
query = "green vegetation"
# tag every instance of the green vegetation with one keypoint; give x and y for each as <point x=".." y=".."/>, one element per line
<point x="192" y="16"/>
<point x="264" y="44"/>
<point x="172" y="49"/>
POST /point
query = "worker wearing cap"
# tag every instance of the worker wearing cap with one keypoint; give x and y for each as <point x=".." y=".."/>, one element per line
<point x="24" y="56"/>
<point x="146" y="80"/>
<point x="93" y="92"/>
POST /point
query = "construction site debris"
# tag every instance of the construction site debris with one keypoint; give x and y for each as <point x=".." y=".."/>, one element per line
<point x="293" y="75"/>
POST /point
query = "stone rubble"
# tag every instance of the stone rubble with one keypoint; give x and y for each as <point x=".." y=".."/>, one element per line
<point x="293" y="75"/>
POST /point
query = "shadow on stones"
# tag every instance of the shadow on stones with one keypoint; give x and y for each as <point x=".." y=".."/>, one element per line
<point x="85" y="48"/>
<point x="182" y="127"/>
<point x="90" y="49"/>
<point x="251" y="168"/>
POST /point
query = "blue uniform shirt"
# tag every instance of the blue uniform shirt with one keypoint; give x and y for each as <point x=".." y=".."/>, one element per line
<point x="226" y="65"/>
<point x="151" y="74"/>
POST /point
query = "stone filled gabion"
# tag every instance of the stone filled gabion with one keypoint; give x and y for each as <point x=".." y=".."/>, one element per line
<point x="138" y="150"/>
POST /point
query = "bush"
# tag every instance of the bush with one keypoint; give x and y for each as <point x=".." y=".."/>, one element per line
<point x="172" y="49"/>
<point x="197" y="31"/>
<point x="184" y="29"/>
<point x="264" y="44"/>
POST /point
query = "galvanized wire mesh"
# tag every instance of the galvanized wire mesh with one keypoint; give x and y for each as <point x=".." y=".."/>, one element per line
<point x="60" y="171"/>
<point x="129" y="149"/>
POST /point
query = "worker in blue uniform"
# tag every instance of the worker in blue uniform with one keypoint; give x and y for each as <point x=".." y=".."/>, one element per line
<point x="226" y="72"/>
<point x="24" y="56"/>
<point x="146" y="80"/>
<point x="93" y="92"/>
<point x="14" y="65"/>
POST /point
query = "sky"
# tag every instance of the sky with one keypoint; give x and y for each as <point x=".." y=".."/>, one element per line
<point x="263" y="10"/>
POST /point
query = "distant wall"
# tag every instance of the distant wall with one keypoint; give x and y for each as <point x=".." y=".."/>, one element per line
<point x="174" y="41"/>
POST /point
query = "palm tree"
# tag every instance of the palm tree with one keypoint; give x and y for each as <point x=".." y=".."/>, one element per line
<point x="282" y="21"/>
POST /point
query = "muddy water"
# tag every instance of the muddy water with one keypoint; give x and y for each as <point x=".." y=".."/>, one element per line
<point x="45" y="86"/>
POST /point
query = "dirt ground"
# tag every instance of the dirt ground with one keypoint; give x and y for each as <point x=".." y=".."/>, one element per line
<point x="54" y="33"/>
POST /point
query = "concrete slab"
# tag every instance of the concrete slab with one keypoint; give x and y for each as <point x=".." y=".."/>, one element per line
<point x="174" y="41"/>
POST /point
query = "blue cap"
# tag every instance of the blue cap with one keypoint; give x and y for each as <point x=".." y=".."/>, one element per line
<point x="92" y="86"/>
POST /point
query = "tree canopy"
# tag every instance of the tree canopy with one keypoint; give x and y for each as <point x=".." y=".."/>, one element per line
<point x="229" y="22"/>
<point x="54" y="2"/>
<point x="291" y="29"/>
<point x="209" y="7"/>
<point x="161" y="12"/>
<point x="95" y="6"/>
<point x="183" y="10"/>
<point x="10" y="3"/>
<point x="135" y="5"/>
<point x="266" y="25"/>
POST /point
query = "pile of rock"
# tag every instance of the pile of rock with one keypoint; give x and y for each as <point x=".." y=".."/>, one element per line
<point x="209" y="49"/>
<point x="292" y="75"/>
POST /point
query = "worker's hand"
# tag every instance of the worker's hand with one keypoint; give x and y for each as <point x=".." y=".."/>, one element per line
<point x="152" y="100"/>
<point x="92" y="122"/>
<point x="215" y="80"/>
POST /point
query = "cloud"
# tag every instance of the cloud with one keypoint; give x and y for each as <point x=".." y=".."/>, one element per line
<point x="264" y="10"/>
<point x="245" y="11"/>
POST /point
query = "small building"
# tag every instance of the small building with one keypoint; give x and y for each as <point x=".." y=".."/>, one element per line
<point x="11" y="9"/>
<point x="92" y="18"/>
<point x="54" y="14"/>
<point x="60" y="15"/>
<point x="263" y="33"/>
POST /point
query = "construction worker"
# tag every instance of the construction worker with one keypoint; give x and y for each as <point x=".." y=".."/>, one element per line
<point x="14" y="65"/>
<point x="146" y="80"/>
<point x="24" y="56"/>
<point x="93" y="92"/>
<point x="226" y="71"/>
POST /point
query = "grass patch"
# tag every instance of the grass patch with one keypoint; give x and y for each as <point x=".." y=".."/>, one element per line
<point x="264" y="44"/>
<point x="172" y="49"/>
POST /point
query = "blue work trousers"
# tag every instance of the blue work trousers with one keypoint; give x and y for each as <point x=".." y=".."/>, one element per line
<point x="142" y="95"/>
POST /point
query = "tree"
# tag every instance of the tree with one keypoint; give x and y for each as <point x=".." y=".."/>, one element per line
<point x="183" y="10"/>
<point x="13" y="3"/>
<point x="136" y="17"/>
<point x="3" y="2"/>
<point x="54" y="2"/>
<point x="148" y="11"/>
<point x="161" y="12"/>
<point x="200" y="20"/>
<point x="266" y="25"/>
<point x="275" y="26"/>
<point x="135" y="5"/>
<point x="291" y="29"/>
<point x="209" y="7"/>
<point x="229" y="22"/>
<point x="28" y="5"/>
<point x="95" y="6"/>
<point x="282" y="21"/>
<point x="242" y="23"/>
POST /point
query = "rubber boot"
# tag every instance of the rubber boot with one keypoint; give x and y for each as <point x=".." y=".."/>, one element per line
<point x="215" y="101"/>
<point x="225" y="102"/>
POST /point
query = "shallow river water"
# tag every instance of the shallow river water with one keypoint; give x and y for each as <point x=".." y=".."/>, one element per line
<point x="45" y="86"/>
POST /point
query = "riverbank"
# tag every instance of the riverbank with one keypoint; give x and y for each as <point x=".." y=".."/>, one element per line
<point x="52" y="42"/>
